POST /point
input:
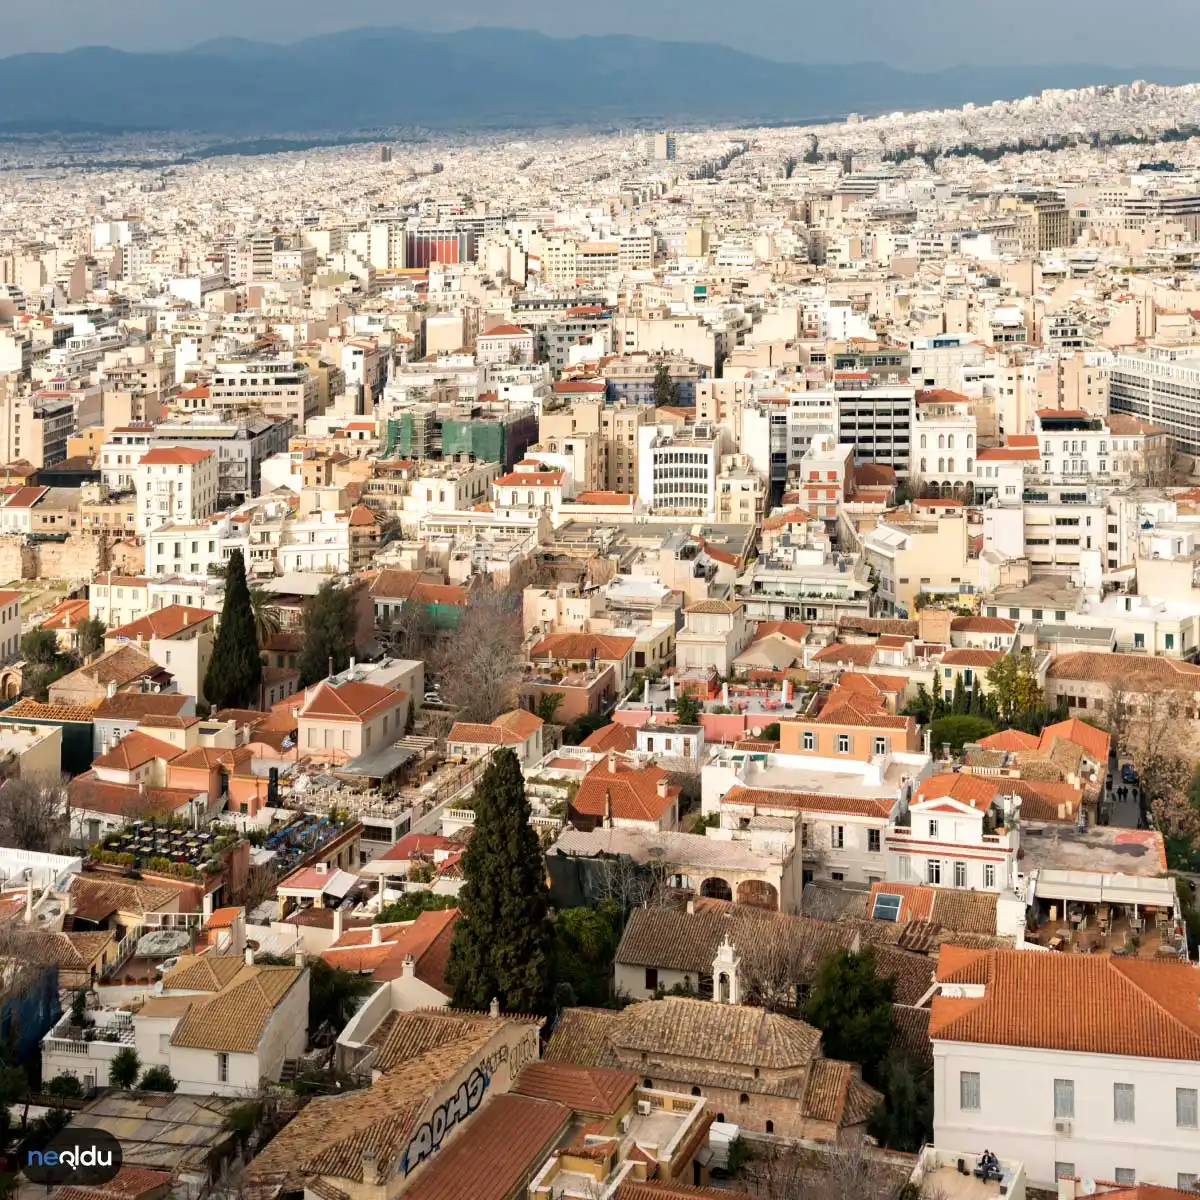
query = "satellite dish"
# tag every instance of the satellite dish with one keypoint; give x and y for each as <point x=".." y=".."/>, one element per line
<point x="756" y="730"/>
<point x="1087" y="1187"/>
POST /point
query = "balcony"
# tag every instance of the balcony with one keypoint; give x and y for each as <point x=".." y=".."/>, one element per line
<point x="110" y="1031"/>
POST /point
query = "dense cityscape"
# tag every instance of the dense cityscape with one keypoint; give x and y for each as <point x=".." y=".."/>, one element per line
<point x="604" y="664"/>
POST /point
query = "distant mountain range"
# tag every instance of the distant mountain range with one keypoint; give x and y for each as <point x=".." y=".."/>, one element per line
<point x="481" y="78"/>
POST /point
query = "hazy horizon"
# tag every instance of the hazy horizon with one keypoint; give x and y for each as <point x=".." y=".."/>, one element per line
<point x="918" y="35"/>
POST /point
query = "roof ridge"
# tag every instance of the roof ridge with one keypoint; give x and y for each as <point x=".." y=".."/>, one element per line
<point x="1113" y="965"/>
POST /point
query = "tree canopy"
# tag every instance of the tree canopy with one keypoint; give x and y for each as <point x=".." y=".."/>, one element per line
<point x="234" y="673"/>
<point x="330" y="623"/>
<point x="852" y="1007"/>
<point x="503" y="944"/>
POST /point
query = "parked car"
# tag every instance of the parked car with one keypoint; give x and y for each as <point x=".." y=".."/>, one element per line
<point x="1128" y="774"/>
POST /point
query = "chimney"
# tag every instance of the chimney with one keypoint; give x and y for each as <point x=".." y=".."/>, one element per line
<point x="607" y="809"/>
<point x="370" y="1169"/>
<point x="376" y="935"/>
<point x="691" y="906"/>
<point x="29" y="899"/>
<point x="298" y="957"/>
<point x="494" y="1008"/>
<point x="352" y="662"/>
<point x="408" y="967"/>
<point x="206" y="906"/>
<point x="612" y="762"/>
<point x="662" y="788"/>
<point x="322" y="868"/>
<point x="339" y="920"/>
<point x="249" y="956"/>
<point x="141" y="787"/>
<point x="111" y="689"/>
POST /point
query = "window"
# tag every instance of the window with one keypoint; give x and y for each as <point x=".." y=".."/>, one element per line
<point x="1060" y="614"/>
<point x="1185" y="1108"/>
<point x="933" y="871"/>
<point x="873" y="840"/>
<point x="1037" y="614"/>
<point x="933" y="829"/>
<point x="886" y="907"/>
<point x="968" y="1091"/>
<point x="1125" y="1175"/>
<point x="1185" y="1181"/>
<point x="960" y="874"/>
<point x="843" y="743"/>
<point x="222" y="1068"/>
<point x="1064" y="1098"/>
<point x="651" y="979"/>
<point x="1139" y="641"/>
<point x="837" y="837"/>
<point x="1123" y="1103"/>
<point x="989" y="875"/>
<point x="1064" y="1170"/>
<point x="881" y="743"/>
<point x="1014" y="614"/>
<point x="1169" y="641"/>
<point x="810" y="740"/>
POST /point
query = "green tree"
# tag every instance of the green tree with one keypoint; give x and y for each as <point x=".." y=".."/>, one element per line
<point x="91" y="637"/>
<point x="123" y="1070"/>
<point x="586" y="941"/>
<point x="1013" y="685"/>
<point x="903" y="1120"/>
<point x="548" y="704"/>
<point x="267" y="621"/>
<point x="687" y="710"/>
<point x="330" y="624"/>
<point x="411" y="905"/>
<point x="243" y="1120"/>
<point x="157" y="1079"/>
<point x="40" y="647"/>
<point x="957" y="731"/>
<point x="235" y="669"/>
<point x="852" y="1007"/>
<point x="503" y="945"/>
<point x="66" y="1087"/>
<point x="960" y="703"/>
<point x="334" y="995"/>
<point x="665" y="389"/>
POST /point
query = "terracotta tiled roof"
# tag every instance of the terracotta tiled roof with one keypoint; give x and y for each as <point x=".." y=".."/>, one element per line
<point x="981" y="659"/>
<point x="233" y="1020"/>
<point x="983" y="625"/>
<point x="715" y="607"/>
<point x="620" y="738"/>
<point x="127" y="800"/>
<point x="163" y="623"/>
<point x="133" y="750"/>
<point x="96" y="897"/>
<point x="1139" y="672"/>
<point x="505" y="331"/>
<point x="966" y="789"/>
<point x="610" y="498"/>
<point x="473" y="733"/>
<point x="352" y="701"/>
<point x="172" y="456"/>
<point x="797" y="631"/>
<point x="860" y="806"/>
<point x="580" y="646"/>
<point x="523" y="724"/>
<point x="596" y="1091"/>
<point x="631" y="793"/>
<point x="138" y="706"/>
<point x="120" y="666"/>
<point x="1095" y="742"/>
<point x="506" y="1141"/>
<point x="841" y="653"/>
<point x="878" y="625"/>
<point x="33" y="709"/>
<point x="1009" y="739"/>
<point x="1100" y="1004"/>
<point x="657" y="1190"/>
<point x="961" y="911"/>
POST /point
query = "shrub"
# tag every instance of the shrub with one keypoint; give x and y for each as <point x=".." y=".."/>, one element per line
<point x="959" y="730"/>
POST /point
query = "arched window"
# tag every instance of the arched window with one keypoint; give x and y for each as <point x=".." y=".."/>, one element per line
<point x="695" y="1091"/>
<point x="924" y="466"/>
<point x="941" y="464"/>
<point x="970" y="441"/>
<point x="970" y="465"/>
<point x="924" y="440"/>
<point x="648" y="1083"/>
<point x="743" y="1099"/>
<point x="941" y="441"/>
<point x="950" y="443"/>
<point x="770" y="1126"/>
<point x="950" y="466"/>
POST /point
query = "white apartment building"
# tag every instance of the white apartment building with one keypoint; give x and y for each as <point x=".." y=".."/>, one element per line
<point x="276" y="387"/>
<point x="175" y="483"/>
<point x="1161" y="385"/>
<point x="1082" y="1065"/>
<point x="677" y="469"/>
<point x="876" y="421"/>
<point x="120" y="456"/>
<point x="946" y="445"/>
<point x="183" y="548"/>
<point x="1077" y="447"/>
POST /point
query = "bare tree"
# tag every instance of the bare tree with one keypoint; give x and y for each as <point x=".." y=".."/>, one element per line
<point x="854" y="1171"/>
<point x="34" y="815"/>
<point x="411" y="632"/>
<point x="1119" y="715"/>
<point x="481" y="663"/>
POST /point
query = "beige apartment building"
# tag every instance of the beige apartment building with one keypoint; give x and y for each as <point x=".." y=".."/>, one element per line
<point x="616" y="429"/>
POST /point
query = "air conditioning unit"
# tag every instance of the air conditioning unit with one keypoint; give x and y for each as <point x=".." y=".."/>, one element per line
<point x="1062" y="1128"/>
<point x="626" y="1122"/>
<point x="643" y="1107"/>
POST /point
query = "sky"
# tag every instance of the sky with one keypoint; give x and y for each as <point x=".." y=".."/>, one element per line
<point x="915" y="34"/>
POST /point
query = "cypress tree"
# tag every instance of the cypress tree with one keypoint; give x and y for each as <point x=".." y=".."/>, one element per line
<point x="503" y="941"/>
<point x="330" y="624"/>
<point x="235" y="669"/>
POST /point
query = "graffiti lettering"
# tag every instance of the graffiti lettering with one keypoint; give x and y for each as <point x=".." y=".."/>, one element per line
<point x="461" y="1105"/>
